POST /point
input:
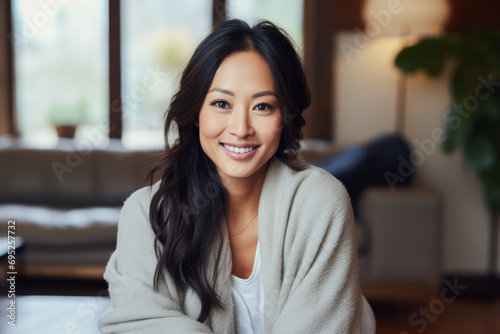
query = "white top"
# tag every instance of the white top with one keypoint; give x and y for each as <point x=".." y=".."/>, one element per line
<point x="248" y="300"/>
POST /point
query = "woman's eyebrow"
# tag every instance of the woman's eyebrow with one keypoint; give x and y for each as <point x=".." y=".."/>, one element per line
<point x="267" y="92"/>
<point x="228" y="92"/>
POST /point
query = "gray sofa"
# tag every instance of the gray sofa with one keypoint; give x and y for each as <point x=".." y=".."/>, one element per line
<point x="67" y="203"/>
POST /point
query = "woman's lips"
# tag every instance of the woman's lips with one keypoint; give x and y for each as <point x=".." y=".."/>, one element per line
<point x="239" y="156"/>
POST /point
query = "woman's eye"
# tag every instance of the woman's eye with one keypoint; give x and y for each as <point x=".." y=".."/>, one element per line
<point x="220" y="104"/>
<point x="264" y="107"/>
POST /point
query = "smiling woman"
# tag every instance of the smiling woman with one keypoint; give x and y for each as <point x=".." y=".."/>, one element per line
<point x="240" y="124"/>
<point x="236" y="233"/>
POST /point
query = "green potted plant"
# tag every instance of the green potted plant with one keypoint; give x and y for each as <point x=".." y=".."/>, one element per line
<point x="473" y="120"/>
<point x="66" y="118"/>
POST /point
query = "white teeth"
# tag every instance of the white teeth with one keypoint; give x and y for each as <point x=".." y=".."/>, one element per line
<point x="240" y="149"/>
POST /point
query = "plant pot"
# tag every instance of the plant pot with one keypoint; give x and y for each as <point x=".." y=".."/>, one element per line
<point x="66" y="131"/>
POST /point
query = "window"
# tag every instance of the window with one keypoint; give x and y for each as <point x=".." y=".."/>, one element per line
<point x="61" y="71"/>
<point x="286" y="14"/>
<point x="62" y="49"/>
<point x="158" y="39"/>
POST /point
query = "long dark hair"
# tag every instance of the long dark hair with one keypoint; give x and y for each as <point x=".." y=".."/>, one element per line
<point x="187" y="210"/>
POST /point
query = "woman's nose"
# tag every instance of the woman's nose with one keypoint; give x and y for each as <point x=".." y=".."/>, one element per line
<point x="240" y="123"/>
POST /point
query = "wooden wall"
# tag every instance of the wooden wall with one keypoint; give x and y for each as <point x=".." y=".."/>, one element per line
<point x="471" y="14"/>
<point x="6" y="71"/>
<point x="322" y="19"/>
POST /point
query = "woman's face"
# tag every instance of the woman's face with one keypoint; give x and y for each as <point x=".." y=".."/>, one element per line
<point x="240" y="120"/>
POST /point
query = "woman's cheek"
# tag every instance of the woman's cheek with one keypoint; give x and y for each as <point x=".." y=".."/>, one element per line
<point x="210" y="125"/>
<point x="272" y="129"/>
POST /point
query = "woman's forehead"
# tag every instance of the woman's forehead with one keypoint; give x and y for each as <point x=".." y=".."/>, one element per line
<point x="243" y="72"/>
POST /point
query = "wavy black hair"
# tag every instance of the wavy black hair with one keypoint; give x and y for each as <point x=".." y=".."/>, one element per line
<point x="187" y="210"/>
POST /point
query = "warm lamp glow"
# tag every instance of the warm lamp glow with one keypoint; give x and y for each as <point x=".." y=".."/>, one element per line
<point x="402" y="17"/>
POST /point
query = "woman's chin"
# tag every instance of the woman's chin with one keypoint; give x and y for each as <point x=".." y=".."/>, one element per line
<point x="240" y="170"/>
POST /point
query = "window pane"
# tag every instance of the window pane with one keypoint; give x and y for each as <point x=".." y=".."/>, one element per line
<point x="158" y="39"/>
<point x="61" y="69"/>
<point x="284" y="13"/>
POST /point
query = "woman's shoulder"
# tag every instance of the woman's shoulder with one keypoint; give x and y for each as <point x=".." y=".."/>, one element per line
<point x="322" y="189"/>
<point x="322" y="179"/>
<point x="141" y="197"/>
<point x="314" y="202"/>
<point x="313" y="184"/>
<point x="135" y="210"/>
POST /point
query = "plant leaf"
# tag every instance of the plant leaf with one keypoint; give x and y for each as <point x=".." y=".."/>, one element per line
<point x="462" y="83"/>
<point x="479" y="153"/>
<point x="428" y="54"/>
<point x="492" y="196"/>
<point x="491" y="177"/>
<point x="458" y="128"/>
<point x="450" y="134"/>
<point x="491" y="108"/>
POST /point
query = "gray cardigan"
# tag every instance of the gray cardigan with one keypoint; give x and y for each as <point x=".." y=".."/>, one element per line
<point x="309" y="265"/>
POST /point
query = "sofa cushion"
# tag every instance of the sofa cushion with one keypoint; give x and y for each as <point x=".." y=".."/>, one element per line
<point x="55" y="235"/>
<point x="118" y="174"/>
<point x="28" y="177"/>
<point x="40" y="225"/>
<point x="71" y="178"/>
<point x="360" y="167"/>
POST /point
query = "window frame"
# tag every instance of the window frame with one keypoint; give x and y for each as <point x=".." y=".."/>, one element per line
<point x="318" y="30"/>
<point x="8" y="116"/>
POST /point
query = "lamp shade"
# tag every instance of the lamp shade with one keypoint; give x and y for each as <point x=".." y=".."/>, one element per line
<point x="401" y="17"/>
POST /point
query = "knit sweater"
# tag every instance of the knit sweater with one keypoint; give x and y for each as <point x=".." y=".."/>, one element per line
<point x="309" y="265"/>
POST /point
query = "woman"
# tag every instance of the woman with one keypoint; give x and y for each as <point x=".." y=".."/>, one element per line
<point x="236" y="233"/>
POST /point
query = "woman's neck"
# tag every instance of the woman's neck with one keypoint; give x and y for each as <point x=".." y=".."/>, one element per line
<point x="244" y="195"/>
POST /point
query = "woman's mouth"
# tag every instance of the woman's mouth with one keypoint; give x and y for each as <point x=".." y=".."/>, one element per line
<point x="239" y="152"/>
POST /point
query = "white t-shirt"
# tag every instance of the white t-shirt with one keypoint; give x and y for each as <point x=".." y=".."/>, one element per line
<point x="248" y="300"/>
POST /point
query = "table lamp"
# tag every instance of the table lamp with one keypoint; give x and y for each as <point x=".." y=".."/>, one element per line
<point x="408" y="19"/>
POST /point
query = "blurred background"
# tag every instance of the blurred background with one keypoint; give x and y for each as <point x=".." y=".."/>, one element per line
<point x="405" y="112"/>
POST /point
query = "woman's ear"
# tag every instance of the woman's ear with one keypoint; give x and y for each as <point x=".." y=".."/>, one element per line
<point x="196" y="123"/>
